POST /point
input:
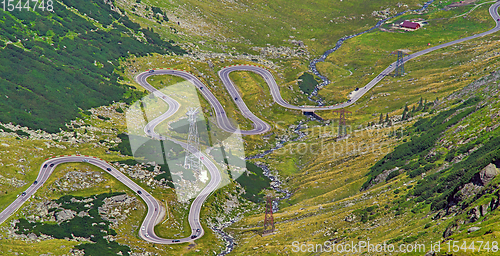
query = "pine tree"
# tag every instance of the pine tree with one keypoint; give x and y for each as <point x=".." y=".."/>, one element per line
<point x="413" y="109"/>
<point x="387" y="117"/>
<point x="381" y="119"/>
<point x="420" y="106"/>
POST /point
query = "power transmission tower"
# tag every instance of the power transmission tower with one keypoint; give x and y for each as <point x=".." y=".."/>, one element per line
<point x="400" y="64"/>
<point x="192" y="161"/>
<point x="342" y="121"/>
<point x="269" y="219"/>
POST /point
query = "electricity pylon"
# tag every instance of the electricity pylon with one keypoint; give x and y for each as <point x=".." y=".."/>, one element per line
<point x="342" y="121"/>
<point x="192" y="161"/>
<point x="400" y="64"/>
<point x="268" y="218"/>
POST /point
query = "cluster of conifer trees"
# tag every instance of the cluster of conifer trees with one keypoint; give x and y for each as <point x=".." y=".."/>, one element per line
<point x="55" y="64"/>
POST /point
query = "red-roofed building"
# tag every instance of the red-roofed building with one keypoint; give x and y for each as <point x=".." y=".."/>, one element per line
<point x="411" y="25"/>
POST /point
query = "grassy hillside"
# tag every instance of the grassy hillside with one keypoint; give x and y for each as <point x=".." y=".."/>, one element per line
<point x="241" y="23"/>
<point x="369" y="53"/>
<point x="206" y="26"/>
<point x="400" y="183"/>
<point x="21" y="159"/>
<point x="64" y="61"/>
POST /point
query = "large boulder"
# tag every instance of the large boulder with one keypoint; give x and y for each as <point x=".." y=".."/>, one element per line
<point x="473" y="229"/>
<point x="488" y="173"/>
<point x="119" y="198"/>
<point x="65" y="215"/>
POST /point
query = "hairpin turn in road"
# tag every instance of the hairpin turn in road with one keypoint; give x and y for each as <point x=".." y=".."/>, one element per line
<point x="146" y="231"/>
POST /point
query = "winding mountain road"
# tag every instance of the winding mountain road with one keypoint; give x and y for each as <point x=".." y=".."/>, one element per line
<point x="155" y="209"/>
<point x="260" y="126"/>
<point x="194" y="212"/>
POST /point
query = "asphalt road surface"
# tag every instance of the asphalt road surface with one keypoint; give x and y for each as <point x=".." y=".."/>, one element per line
<point x="222" y="120"/>
<point x="155" y="209"/>
<point x="268" y="77"/>
<point x="260" y="126"/>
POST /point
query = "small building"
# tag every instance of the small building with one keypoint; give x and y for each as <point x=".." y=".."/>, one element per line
<point x="410" y="25"/>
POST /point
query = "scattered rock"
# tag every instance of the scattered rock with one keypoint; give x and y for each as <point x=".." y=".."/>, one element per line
<point x="473" y="229"/>
<point x="469" y="190"/>
<point x="381" y="177"/>
<point x="12" y="182"/>
<point x="83" y="214"/>
<point x="65" y="215"/>
<point x="78" y="180"/>
<point x="115" y="209"/>
<point x="450" y="230"/>
<point x="474" y="214"/>
<point x="350" y="218"/>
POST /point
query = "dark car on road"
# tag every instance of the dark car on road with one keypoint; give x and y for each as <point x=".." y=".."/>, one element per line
<point x="357" y="89"/>
<point x="151" y="71"/>
<point x="139" y="192"/>
<point x="194" y="236"/>
<point x="109" y="169"/>
<point x="176" y="241"/>
<point x="36" y="182"/>
<point x="198" y="230"/>
<point x="51" y="165"/>
<point x="23" y="194"/>
<point x="236" y="98"/>
<point x="45" y="166"/>
<point x="348" y="100"/>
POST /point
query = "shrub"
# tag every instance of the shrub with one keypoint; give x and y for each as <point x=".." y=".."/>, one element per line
<point x="307" y="83"/>
<point x="392" y="175"/>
